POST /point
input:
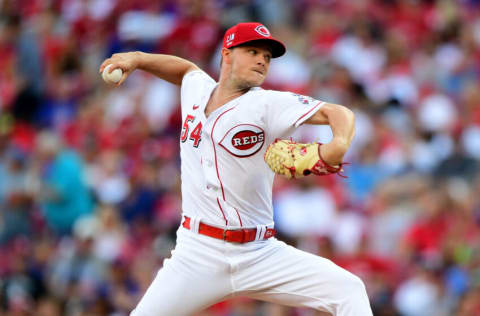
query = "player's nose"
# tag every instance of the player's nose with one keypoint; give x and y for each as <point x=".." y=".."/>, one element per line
<point x="261" y="61"/>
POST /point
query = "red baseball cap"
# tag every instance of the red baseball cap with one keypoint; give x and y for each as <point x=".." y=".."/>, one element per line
<point x="248" y="32"/>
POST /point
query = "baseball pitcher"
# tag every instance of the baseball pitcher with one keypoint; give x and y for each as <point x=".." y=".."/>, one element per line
<point x="232" y="143"/>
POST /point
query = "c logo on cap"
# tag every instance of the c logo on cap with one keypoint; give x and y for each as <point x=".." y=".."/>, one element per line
<point x="262" y="30"/>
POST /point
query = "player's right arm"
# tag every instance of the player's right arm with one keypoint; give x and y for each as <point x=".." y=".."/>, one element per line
<point x="342" y="123"/>
<point x="167" y="67"/>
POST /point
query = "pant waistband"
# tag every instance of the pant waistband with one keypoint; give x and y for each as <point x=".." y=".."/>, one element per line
<point x="231" y="235"/>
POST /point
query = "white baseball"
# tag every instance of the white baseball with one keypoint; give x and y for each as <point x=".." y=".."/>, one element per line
<point x="112" y="77"/>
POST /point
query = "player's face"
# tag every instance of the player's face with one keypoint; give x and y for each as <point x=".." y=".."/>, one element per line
<point x="250" y="65"/>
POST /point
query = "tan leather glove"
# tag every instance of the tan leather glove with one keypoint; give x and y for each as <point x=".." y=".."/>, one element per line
<point x="296" y="160"/>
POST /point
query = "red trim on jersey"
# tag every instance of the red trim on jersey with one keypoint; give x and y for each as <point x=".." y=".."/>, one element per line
<point x="239" y="218"/>
<point x="308" y="112"/>
<point x="215" y="152"/>
<point x="226" y="222"/>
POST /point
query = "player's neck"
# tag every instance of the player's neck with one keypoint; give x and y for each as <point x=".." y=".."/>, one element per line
<point x="227" y="90"/>
<point x="223" y="94"/>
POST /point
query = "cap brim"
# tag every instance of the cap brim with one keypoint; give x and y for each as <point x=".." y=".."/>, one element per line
<point x="278" y="49"/>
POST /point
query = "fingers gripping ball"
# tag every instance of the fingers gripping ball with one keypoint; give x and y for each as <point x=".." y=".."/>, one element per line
<point x="296" y="160"/>
<point x="112" y="77"/>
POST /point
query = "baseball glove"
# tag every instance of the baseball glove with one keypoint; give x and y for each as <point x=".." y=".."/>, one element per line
<point x="296" y="160"/>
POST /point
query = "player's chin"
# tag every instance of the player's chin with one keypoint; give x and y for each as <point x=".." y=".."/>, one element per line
<point x="256" y="81"/>
<point x="247" y="84"/>
<point x="251" y="81"/>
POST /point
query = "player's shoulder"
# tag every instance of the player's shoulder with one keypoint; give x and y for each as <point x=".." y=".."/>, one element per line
<point x="259" y="97"/>
<point x="260" y="92"/>
<point x="273" y="96"/>
<point x="195" y="84"/>
<point x="256" y="96"/>
<point x="289" y="96"/>
<point x="276" y="93"/>
<point x="197" y="75"/>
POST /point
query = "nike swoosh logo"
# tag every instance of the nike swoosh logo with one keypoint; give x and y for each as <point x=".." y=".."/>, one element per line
<point x="195" y="106"/>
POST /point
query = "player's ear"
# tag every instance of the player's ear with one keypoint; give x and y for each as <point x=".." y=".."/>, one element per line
<point x="227" y="55"/>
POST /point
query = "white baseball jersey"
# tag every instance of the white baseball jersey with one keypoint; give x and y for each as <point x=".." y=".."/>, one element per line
<point x="225" y="180"/>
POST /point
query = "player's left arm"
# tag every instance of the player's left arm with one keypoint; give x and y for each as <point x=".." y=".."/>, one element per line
<point x="342" y="122"/>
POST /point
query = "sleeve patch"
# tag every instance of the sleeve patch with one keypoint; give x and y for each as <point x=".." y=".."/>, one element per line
<point x="303" y="99"/>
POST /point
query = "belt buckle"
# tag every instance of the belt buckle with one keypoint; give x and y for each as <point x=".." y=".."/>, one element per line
<point x="236" y="236"/>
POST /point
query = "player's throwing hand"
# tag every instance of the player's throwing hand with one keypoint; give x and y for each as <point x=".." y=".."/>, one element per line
<point x="127" y="62"/>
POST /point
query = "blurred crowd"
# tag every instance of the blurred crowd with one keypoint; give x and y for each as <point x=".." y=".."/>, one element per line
<point x="89" y="174"/>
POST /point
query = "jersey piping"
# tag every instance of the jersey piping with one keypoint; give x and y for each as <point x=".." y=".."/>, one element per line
<point x="301" y="117"/>
<point x="215" y="151"/>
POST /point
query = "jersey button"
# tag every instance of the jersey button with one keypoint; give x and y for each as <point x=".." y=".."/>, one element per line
<point x="210" y="187"/>
<point x="209" y="163"/>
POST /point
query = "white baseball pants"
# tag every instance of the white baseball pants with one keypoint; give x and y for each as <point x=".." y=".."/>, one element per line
<point x="203" y="271"/>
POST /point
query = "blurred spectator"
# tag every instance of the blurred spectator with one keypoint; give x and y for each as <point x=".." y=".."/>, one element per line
<point x="49" y="307"/>
<point x="305" y="210"/>
<point x="421" y="295"/>
<point x="16" y="197"/>
<point x="108" y="181"/>
<point x="21" y="41"/>
<point x="77" y="274"/>
<point x="63" y="193"/>
<point x="110" y="236"/>
<point x="469" y="304"/>
<point x="141" y="202"/>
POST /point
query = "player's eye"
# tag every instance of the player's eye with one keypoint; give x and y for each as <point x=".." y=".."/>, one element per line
<point x="268" y="58"/>
<point x="252" y="51"/>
